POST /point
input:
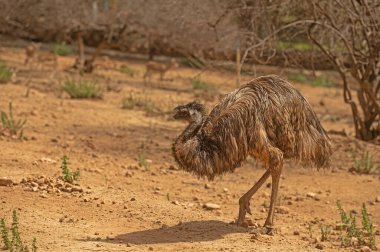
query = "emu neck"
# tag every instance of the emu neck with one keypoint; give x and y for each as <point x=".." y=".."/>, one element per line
<point x="193" y="128"/>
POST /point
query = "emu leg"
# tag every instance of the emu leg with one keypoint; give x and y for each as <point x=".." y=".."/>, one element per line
<point x="244" y="200"/>
<point x="276" y="174"/>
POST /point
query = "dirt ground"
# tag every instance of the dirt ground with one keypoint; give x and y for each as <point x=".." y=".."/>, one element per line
<point x="156" y="207"/>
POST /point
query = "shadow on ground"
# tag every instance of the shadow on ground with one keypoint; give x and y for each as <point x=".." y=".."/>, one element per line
<point x="193" y="231"/>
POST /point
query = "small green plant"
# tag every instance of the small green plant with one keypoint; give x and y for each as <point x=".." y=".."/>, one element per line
<point x="300" y="46"/>
<point x="5" y="73"/>
<point x="310" y="229"/>
<point x="201" y="85"/>
<point x="317" y="81"/>
<point x="15" y="244"/>
<point x="325" y="232"/>
<point x="132" y="102"/>
<point x="368" y="227"/>
<point x="127" y="70"/>
<point x="61" y="49"/>
<point x="365" y="163"/>
<point x="365" y="235"/>
<point x="67" y="175"/>
<point x="82" y="89"/>
<point x="192" y="63"/>
<point x="142" y="162"/>
<point x="15" y="128"/>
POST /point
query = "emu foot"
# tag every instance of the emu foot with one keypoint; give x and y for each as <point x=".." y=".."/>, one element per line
<point x="266" y="230"/>
<point x="243" y="209"/>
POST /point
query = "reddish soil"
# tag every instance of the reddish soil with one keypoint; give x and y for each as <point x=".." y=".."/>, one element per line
<point x="125" y="207"/>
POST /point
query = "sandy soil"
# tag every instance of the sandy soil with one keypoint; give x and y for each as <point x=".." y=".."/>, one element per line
<point x="156" y="207"/>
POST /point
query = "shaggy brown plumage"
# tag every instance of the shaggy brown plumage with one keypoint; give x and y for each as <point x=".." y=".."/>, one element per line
<point x="266" y="118"/>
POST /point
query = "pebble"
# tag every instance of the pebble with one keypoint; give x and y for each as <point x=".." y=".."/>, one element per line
<point x="211" y="206"/>
<point x="365" y="249"/>
<point x="296" y="232"/>
<point x="282" y="210"/>
<point x="377" y="199"/>
<point x="310" y="195"/>
<point x="76" y="189"/>
<point x="208" y="186"/>
<point x="319" y="246"/>
<point x="5" y="182"/>
<point x="43" y="195"/>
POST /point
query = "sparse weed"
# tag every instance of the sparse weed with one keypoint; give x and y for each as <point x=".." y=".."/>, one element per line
<point x="368" y="227"/>
<point x="5" y="73"/>
<point x="16" y="244"/>
<point x="15" y="128"/>
<point x="127" y="70"/>
<point x="61" y="49"/>
<point x="325" y="232"/>
<point x="310" y="230"/>
<point x="300" y="46"/>
<point x="364" y="235"/>
<point x="365" y="163"/>
<point x="67" y="175"/>
<point x="317" y="81"/>
<point x="81" y="89"/>
<point x="149" y="107"/>
<point x="201" y="85"/>
<point x="142" y="162"/>
<point x="191" y="62"/>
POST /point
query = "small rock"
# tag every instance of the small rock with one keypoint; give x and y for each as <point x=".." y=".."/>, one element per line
<point x="365" y="249"/>
<point x="5" y="182"/>
<point x="129" y="245"/>
<point x="319" y="246"/>
<point x="211" y="206"/>
<point x="34" y="184"/>
<point x="151" y="248"/>
<point x="282" y="210"/>
<point x="354" y="241"/>
<point x="76" y="189"/>
<point x="175" y="202"/>
<point x="296" y="232"/>
<point x="225" y="190"/>
<point x="96" y="233"/>
<point x="67" y="189"/>
<point x="310" y="195"/>
<point x="35" y="189"/>
<point x="377" y="199"/>
<point x="208" y="186"/>
<point x="133" y="199"/>
<point x="43" y="195"/>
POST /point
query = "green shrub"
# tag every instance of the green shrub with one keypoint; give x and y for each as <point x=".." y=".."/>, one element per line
<point x="15" y="244"/>
<point x="191" y="62"/>
<point x="364" y="235"/>
<point x="198" y="84"/>
<point x="317" y="81"/>
<point x="15" y="128"/>
<point x="61" y="49"/>
<point x="5" y="73"/>
<point x="127" y="70"/>
<point x="82" y="89"/>
<point x="365" y="163"/>
<point x="149" y="107"/>
<point x="67" y="175"/>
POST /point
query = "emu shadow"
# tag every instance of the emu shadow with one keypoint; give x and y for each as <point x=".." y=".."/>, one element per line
<point x="193" y="231"/>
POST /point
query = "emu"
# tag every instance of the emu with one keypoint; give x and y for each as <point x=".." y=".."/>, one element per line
<point x="267" y="119"/>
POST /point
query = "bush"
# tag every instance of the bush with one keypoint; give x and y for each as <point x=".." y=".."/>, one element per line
<point x="201" y="85"/>
<point x="61" y="49"/>
<point x="82" y="89"/>
<point x="5" y="73"/>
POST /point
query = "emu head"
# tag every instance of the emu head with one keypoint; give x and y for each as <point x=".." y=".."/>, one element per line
<point x="189" y="112"/>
